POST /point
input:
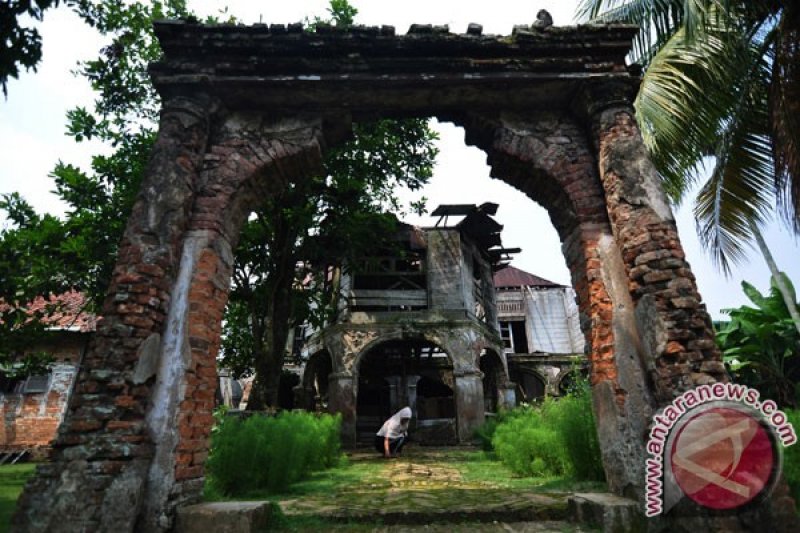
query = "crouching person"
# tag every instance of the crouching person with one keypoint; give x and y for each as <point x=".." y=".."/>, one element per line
<point x="393" y="434"/>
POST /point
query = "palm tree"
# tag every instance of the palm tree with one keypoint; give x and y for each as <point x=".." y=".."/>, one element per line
<point x="721" y="89"/>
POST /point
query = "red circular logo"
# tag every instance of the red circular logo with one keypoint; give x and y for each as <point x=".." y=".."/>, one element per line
<point x="722" y="458"/>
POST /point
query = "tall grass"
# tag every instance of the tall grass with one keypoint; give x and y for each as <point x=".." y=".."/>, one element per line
<point x="264" y="453"/>
<point x="556" y="438"/>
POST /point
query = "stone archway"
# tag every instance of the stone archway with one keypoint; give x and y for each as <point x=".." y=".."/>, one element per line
<point x="246" y="110"/>
<point x="498" y="391"/>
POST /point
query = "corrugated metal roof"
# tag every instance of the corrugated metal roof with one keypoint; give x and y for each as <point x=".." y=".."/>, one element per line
<point x="514" y="277"/>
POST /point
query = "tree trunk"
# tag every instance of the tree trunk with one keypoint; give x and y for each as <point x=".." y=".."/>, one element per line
<point x="264" y="393"/>
<point x="269" y="363"/>
<point x="269" y="360"/>
<point x="776" y="275"/>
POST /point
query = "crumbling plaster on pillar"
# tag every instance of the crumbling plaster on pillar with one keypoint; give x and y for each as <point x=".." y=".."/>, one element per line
<point x="624" y="433"/>
<point x="171" y="392"/>
<point x="103" y="450"/>
<point x="169" y="388"/>
<point x="548" y="156"/>
<point x="659" y="278"/>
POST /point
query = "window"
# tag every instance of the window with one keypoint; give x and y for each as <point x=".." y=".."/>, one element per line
<point x="11" y="385"/>
<point x="37" y="384"/>
<point x="514" y="337"/>
<point x="505" y="334"/>
<point x="24" y="385"/>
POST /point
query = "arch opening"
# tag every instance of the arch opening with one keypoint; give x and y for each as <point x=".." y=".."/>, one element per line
<point x="494" y="381"/>
<point x="408" y="372"/>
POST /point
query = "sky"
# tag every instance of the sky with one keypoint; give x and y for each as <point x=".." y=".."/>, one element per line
<point x="33" y="120"/>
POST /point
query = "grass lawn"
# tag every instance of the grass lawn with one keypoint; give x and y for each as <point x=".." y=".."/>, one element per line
<point x="346" y="474"/>
<point x="12" y="479"/>
<point x="475" y="468"/>
<point x="484" y="467"/>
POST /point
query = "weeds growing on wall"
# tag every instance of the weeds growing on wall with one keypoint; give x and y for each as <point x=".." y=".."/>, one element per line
<point x="557" y="437"/>
<point x="264" y="453"/>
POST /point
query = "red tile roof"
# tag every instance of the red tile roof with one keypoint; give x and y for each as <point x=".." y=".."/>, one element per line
<point x="513" y="277"/>
<point x="66" y="311"/>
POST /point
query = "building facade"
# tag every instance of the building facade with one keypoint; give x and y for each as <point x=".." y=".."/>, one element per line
<point x="416" y="327"/>
<point x="32" y="407"/>
<point x="540" y="327"/>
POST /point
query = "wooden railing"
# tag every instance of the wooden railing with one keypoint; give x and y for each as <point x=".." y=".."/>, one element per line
<point x="389" y="299"/>
<point x="510" y="307"/>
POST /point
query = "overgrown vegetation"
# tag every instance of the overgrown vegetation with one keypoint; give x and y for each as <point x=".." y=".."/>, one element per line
<point x="555" y="438"/>
<point x="267" y="454"/>
<point x="761" y="344"/>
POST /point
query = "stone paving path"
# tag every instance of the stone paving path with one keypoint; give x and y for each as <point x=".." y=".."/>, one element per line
<point x="424" y="492"/>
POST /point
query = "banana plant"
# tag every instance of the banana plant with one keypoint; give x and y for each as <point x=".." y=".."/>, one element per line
<point x="761" y="345"/>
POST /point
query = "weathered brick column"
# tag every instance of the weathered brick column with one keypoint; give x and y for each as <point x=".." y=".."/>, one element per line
<point x="677" y="332"/>
<point x="548" y="156"/>
<point x="97" y="478"/>
<point x="136" y="436"/>
<point x="248" y="157"/>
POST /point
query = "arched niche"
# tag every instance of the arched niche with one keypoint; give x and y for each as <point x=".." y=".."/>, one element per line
<point x="531" y="386"/>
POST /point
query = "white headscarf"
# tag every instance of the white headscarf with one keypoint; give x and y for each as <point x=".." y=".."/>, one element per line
<point x="394" y="427"/>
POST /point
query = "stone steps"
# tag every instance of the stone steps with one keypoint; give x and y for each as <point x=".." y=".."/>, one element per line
<point x="419" y="507"/>
<point x="521" y="513"/>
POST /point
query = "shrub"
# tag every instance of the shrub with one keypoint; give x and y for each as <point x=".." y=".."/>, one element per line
<point x="270" y="453"/>
<point x="485" y="433"/>
<point x="529" y="447"/>
<point x="556" y="438"/>
<point x="573" y="419"/>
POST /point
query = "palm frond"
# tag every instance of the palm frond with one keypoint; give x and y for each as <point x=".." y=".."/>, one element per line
<point x="740" y="193"/>
<point x="784" y="105"/>
<point x="658" y="20"/>
<point x="684" y="98"/>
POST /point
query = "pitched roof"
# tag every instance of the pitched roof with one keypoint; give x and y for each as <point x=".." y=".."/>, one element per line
<point x="66" y="311"/>
<point x="514" y="277"/>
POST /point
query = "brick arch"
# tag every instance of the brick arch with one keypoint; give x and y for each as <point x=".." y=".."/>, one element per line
<point x="246" y="159"/>
<point x="548" y="156"/>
